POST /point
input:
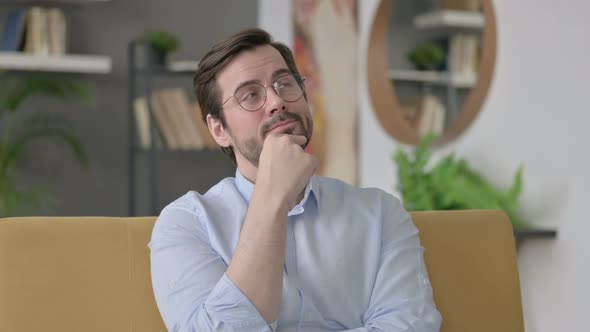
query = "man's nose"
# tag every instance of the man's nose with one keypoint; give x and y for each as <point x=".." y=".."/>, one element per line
<point x="273" y="101"/>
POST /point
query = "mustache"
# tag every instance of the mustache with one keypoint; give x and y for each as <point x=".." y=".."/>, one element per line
<point x="281" y="117"/>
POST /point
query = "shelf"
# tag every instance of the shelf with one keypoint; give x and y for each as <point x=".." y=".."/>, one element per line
<point x="89" y="64"/>
<point x="49" y="2"/>
<point x="183" y="66"/>
<point x="449" y="18"/>
<point x="178" y="68"/>
<point x="520" y="234"/>
<point x="432" y="77"/>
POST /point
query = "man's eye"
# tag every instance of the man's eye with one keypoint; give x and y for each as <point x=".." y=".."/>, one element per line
<point x="282" y="85"/>
<point x="250" y="95"/>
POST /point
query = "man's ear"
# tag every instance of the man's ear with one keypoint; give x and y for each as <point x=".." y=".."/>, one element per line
<point x="218" y="131"/>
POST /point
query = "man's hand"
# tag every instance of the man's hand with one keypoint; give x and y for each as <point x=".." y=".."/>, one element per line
<point x="256" y="268"/>
<point x="284" y="169"/>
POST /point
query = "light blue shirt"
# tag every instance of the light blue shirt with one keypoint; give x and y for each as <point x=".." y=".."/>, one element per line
<point x="353" y="262"/>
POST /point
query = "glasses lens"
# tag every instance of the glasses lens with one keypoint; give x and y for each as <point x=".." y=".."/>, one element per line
<point x="288" y="87"/>
<point x="251" y="97"/>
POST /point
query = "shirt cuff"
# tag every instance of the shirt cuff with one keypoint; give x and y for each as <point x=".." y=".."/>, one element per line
<point x="228" y="304"/>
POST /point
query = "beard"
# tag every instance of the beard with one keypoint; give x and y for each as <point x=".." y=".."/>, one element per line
<point x="251" y="147"/>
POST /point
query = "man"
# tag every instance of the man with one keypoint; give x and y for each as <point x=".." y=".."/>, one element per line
<point x="277" y="248"/>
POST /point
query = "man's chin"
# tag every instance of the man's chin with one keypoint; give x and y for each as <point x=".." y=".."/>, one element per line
<point x="290" y="131"/>
<point x="286" y="131"/>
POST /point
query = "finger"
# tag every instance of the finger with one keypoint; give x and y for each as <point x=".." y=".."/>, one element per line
<point x="297" y="139"/>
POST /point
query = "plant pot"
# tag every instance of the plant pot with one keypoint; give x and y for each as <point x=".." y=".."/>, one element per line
<point x="157" y="58"/>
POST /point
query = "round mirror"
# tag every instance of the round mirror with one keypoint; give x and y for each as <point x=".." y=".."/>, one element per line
<point x="430" y="65"/>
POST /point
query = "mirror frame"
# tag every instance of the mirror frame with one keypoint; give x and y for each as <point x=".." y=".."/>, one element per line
<point x="382" y="92"/>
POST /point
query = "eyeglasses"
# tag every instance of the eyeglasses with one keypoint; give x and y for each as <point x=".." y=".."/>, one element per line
<point x="251" y="97"/>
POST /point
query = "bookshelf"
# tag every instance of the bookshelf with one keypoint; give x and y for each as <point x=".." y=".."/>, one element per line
<point x="439" y="108"/>
<point x="449" y="19"/>
<point x="433" y="100"/>
<point x="464" y="93"/>
<point x="34" y="38"/>
<point x="148" y="134"/>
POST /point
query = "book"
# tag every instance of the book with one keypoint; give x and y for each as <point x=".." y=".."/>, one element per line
<point x="56" y="24"/>
<point x="177" y="109"/>
<point x="463" y="57"/>
<point x="142" y="125"/>
<point x="432" y="114"/>
<point x="14" y="31"/>
<point x="142" y="122"/>
<point x="425" y="114"/>
<point x="165" y="122"/>
<point x="410" y="111"/>
<point x="37" y="40"/>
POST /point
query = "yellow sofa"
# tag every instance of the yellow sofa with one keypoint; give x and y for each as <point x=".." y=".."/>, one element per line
<point x="91" y="274"/>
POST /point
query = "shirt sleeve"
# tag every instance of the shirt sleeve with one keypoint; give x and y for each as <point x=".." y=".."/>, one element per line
<point x="192" y="291"/>
<point x="402" y="295"/>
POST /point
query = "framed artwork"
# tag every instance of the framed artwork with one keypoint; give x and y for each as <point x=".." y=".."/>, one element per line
<point x="325" y="49"/>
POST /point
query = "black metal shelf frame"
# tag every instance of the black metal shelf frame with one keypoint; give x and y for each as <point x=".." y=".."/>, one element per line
<point x="141" y="82"/>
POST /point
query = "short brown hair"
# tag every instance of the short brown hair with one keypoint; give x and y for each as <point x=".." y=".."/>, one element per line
<point x="205" y="79"/>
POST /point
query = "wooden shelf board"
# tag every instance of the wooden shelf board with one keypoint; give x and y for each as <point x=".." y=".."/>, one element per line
<point x="90" y="64"/>
<point x="449" y="18"/>
<point x="183" y="66"/>
<point x="49" y="2"/>
<point x="433" y="77"/>
<point x="173" y="69"/>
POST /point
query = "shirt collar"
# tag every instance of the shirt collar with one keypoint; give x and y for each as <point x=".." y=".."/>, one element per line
<point x="245" y="187"/>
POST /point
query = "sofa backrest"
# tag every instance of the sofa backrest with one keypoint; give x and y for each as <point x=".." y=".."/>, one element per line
<point x="92" y="274"/>
<point x="471" y="259"/>
<point x="87" y="274"/>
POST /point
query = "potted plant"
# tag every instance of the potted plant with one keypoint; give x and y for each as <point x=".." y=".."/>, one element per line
<point x="19" y="132"/>
<point x="161" y="44"/>
<point x="429" y="56"/>
<point x="451" y="184"/>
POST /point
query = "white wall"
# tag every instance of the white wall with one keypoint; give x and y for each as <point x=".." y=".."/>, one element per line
<point x="536" y="114"/>
<point x="275" y="17"/>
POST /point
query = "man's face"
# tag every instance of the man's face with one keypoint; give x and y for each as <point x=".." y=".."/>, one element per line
<point x="245" y="131"/>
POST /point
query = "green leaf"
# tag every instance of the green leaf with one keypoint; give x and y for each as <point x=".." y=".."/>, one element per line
<point x="161" y="41"/>
<point x="427" y="56"/>
<point x="19" y="136"/>
<point x="510" y="199"/>
<point x="18" y="90"/>
<point x="42" y="127"/>
<point x="20" y="202"/>
<point x="451" y="184"/>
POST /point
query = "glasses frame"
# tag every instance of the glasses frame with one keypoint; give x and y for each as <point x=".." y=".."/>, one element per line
<point x="300" y="80"/>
